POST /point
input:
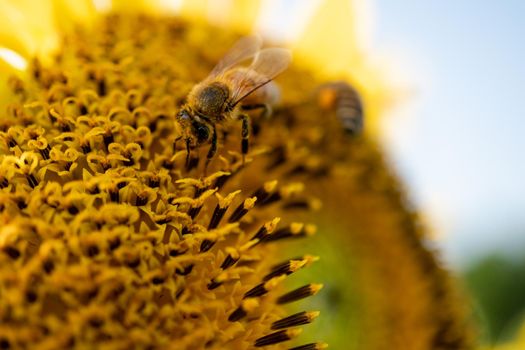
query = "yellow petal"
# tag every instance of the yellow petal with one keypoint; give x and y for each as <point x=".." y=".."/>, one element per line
<point x="517" y="344"/>
<point x="27" y="30"/>
<point x="28" y="27"/>
<point x="32" y="27"/>
<point x="237" y="14"/>
<point x="196" y="9"/>
<point x="14" y="32"/>
<point x="68" y="13"/>
<point x="137" y="6"/>
<point x="11" y="63"/>
<point x="330" y="44"/>
<point x="243" y="14"/>
<point x="331" y="37"/>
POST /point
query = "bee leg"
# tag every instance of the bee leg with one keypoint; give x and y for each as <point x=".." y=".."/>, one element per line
<point x="245" y="135"/>
<point x="266" y="109"/>
<point x="188" y="153"/>
<point x="212" y="151"/>
<point x="266" y="112"/>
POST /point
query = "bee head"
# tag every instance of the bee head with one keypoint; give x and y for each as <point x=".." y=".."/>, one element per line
<point x="184" y="116"/>
<point x="194" y="126"/>
<point x="201" y="131"/>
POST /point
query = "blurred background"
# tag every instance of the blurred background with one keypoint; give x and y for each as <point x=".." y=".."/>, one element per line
<point x="457" y="139"/>
<point x="456" y="136"/>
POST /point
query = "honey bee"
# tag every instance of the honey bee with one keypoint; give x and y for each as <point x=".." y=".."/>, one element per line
<point x="229" y="91"/>
<point x="341" y="97"/>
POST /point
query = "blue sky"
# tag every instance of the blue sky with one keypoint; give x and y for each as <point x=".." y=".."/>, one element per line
<point x="461" y="148"/>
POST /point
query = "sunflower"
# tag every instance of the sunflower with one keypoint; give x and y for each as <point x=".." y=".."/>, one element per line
<point x="515" y="344"/>
<point x="114" y="234"/>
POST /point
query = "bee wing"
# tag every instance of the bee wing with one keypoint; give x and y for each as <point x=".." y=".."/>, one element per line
<point x="246" y="47"/>
<point x="266" y="66"/>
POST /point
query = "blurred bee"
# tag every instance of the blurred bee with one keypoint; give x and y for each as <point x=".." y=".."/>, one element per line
<point x="343" y="99"/>
<point x="218" y="97"/>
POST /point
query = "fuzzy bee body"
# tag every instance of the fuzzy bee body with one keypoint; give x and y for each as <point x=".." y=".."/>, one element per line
<point x="211" y="100"/>
<point x="229" y="90"/>
<point x="345" y="101"/>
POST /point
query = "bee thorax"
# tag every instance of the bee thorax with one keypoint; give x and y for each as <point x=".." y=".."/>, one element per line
<point x="211" y="99"/>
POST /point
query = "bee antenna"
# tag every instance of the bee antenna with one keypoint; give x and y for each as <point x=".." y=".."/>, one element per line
<point x="249" y="92"/>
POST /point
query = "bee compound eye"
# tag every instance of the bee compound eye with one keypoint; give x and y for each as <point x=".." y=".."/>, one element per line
<point x="202" y="132"/>
<point x="183" y="115"/>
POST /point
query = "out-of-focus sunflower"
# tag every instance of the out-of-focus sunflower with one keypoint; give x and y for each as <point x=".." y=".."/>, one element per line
<point x="110" y="240"/>
<point x="516" y="344"/>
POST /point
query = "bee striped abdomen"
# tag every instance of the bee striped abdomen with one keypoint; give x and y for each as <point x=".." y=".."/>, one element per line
<point x="344" y="100"/>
